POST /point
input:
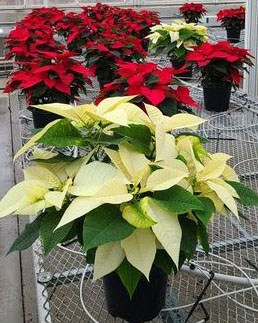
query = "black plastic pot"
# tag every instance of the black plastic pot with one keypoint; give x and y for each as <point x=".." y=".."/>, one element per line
<point x="233" y="35"/>
<point x="145" y="45"/>
<point x="42" y="118"/>
<point x="147" y="301"/>
<point x="184" y="76"/>
<point x="217" y="98"/>
<point x="191" y="20"/>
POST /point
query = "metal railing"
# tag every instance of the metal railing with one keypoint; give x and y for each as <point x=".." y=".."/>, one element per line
<point x="23" y="4"/>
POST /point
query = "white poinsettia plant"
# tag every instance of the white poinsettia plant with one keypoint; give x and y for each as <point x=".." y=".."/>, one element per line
<point x="177" y="39"/>
<point x="135" y="196"/>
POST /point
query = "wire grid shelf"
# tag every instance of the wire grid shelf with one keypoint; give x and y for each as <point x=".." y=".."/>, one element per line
<point x="234" y="245"/>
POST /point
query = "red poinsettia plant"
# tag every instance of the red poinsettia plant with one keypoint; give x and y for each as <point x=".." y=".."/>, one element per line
<point x="50" y="16"/>
<point x="28" y="39"/>
<point x="151" y="85"/>
<point x="78" y="29"/>
<point x="232" y="18"/>
<point x="133" y="22"/>
<point x="95" y="20"/>
<point x="104" y="56"/>
<point x="192" y="12"/>
<point x="219" y="64"/>
<point x="54" y="77"/>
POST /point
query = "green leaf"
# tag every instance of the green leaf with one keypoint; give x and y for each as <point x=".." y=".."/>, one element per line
<point x="57" y="159"/>
<point x="72" y="234"/>
<point x="180" y="52"/>
<point x="199" y="152"/>
<point x="180" y="157"/>
<point x="50" y="238"/>
<point x="207" y="212"/>
<point x="107" y="140"/>
<point x="247" y="196"/>
<point x="221" y="67"/>
<point x="62" y="134"/>
<point x="104" y="224"/>
<point x="90" y="256"/>
<point x="129" y="276"/>
<point x="203" y="237"/>
<point x="138" y="135"/>
<point x="189" y="236"/>
<point x="164" y="262"/>
<point x="135" y="214"/>
<point x="185" y="34"/>
<point x="177" y="199"/>
<point x="28" y="236"/>
<point x="151" y="79"/>
<point x="202" y="139"/>
<point x="168" y="107"/>
<point x="182" y="259"/>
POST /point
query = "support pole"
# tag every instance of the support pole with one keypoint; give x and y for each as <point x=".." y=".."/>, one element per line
<point x="251" y="42"/>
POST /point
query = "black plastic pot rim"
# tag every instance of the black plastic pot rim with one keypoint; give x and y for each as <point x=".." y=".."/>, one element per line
<point x="218" y="87"/>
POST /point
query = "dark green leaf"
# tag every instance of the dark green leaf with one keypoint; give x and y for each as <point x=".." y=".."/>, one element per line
<point x="164" y="261"/>
<point x="203" y="237"/>
<point x="185" y="34"/>
<point x="50" y="238"/>
<point x="129" y="276"/>
<point x="182" y="158"/>
<point x="182" y="259"/>
<point x="247" y="196"/>
<point x="107" y="140"/>
<point x="90" y="256"/>
<point x="138" y="135"/>
<point x="189" y="236"/>
<point x="221" y="67"/>
<point x="180" y="52"/>
<point x="168" y="107"/>
<point x="207" y="212"/>
<point x="62" y="134"/>
<point x="57" y="159"/>
<point x="177" y="199"/>
<point x="28" y="236"/>
<point x="72" y="234"/>
<point x="103" y="225"/>
<point x="151" y="78"/>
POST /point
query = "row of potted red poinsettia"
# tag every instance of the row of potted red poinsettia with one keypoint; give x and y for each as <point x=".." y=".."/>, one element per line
<point x="47" y="38"/>
<point x="48" y="73"/>
<point x="219" y="67"/>
<point x="233" y="19"/>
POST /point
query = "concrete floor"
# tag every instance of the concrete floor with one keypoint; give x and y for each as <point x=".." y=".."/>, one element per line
<point x="17" y="300"/>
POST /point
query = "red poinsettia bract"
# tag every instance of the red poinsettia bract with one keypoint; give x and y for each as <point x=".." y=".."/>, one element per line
<point x="196" y="7"/>
<point x="150" y="84"/>
<point x="55" y="73"/>
<point x="232" y="18"/>
<point x="219" y="62"/>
